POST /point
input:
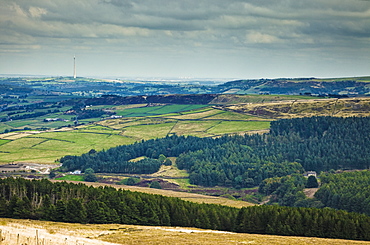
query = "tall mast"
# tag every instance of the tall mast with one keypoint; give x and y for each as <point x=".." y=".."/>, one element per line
<point x="74" y="67"/>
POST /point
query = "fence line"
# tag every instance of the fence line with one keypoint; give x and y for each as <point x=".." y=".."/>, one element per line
<point x="10" y="238"/>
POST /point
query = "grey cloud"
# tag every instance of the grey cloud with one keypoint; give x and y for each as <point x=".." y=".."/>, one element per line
<point x="118" y="3"/>
<point x="234" y="26"/>
<point x="219" y="16"/>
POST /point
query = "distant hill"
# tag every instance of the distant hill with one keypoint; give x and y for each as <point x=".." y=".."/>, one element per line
<point x="340" y="86"/>
<point x="344" y="107"/>
<point x="90" y="87"/>
<point x="167" y="99"/>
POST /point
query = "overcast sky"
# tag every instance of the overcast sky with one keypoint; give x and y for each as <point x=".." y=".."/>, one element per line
<point x="186" y="38"/>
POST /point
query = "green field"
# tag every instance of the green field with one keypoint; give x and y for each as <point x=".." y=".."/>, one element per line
<point x="71" y="178"/>
<point x="138" y="122"/>
<point x="4" y="141"/>
<point x="227" y="127"/>
<point x="49" y="146"/>
<point x="156" y="110"/>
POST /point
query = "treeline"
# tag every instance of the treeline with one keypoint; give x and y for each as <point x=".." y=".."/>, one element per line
<point x="116" y="159"/>
<point x="78" y="203"/>
<point x="315" y="222"/>
<point x="323" y="143"/>
<point x="25" y="116"/>
<point x="292" y="146"/>
<point x="168" y="99"/>
<point x="349" y="191"/>
<point x="111" y="165"/>
<point x="14" y="89"/>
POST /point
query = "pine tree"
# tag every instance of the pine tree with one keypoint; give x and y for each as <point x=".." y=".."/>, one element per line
<point x="75" y="211"/>
<point x="312" y="182"/>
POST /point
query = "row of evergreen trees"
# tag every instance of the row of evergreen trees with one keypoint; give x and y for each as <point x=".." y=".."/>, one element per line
<point x="42" y="199"/>
<point x="292" y="146"/>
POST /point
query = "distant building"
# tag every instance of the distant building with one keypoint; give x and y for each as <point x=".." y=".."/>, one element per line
<point x="310" y="173"/>
<point x="114" y="116"/>
<point x="76" y="172"/>
<point x="54" y="120"/>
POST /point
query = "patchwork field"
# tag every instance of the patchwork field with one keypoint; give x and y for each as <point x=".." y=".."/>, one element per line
<point x="141" y="121"/>
<point x="138" y="123"/>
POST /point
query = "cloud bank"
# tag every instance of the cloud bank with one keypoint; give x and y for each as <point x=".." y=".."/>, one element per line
<point x="236" y="38"/>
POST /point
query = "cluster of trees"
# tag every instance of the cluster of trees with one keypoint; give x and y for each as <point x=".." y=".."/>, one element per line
<point x="168" y="99"/>
<point x="68" y="202"/>
<point x="109" y="165"/>
<point x="61" y="201"/>
<point x="324" y="143"/>
<point x="292" y="146"/>
<point x="31" y="107"/>
<point x="14" y="89"/>
<point x="349" y="191"/>
<point x="25" y="116"/>
<point x="326" y="222"/>
<point x="232" y="164"/>
<point x="288" y="191"/>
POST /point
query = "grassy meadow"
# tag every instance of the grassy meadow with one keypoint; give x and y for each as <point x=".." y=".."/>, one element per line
<point x="18" y="231"/>
<point x="71" y="178"/>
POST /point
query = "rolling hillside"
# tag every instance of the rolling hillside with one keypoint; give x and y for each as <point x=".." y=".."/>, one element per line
<point x="17" y="231"/>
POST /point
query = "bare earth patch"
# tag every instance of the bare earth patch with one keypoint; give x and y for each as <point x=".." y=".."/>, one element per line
<point x="310" y="192"/>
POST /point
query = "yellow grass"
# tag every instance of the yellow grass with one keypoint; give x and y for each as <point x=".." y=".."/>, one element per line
<point x="137" y="159"/>
<point x="147" y="132"/>
<point x="14" y="136"/>
<point x="195" y="127"/>
<point x="192" y="197"/>
<point x="170" y="171"/>
<point x="199" y="115"/>
<point x="345" y="107"/>
<point x="57" y="233"/>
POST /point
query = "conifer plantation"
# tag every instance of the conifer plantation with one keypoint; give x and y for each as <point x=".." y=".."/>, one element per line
<point x="349" y="191"/>
<point x="292" y="147"/>
<point x="42" y="199"/>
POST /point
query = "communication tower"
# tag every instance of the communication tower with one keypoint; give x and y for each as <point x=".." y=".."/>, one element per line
<point x="74" y="67"/>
